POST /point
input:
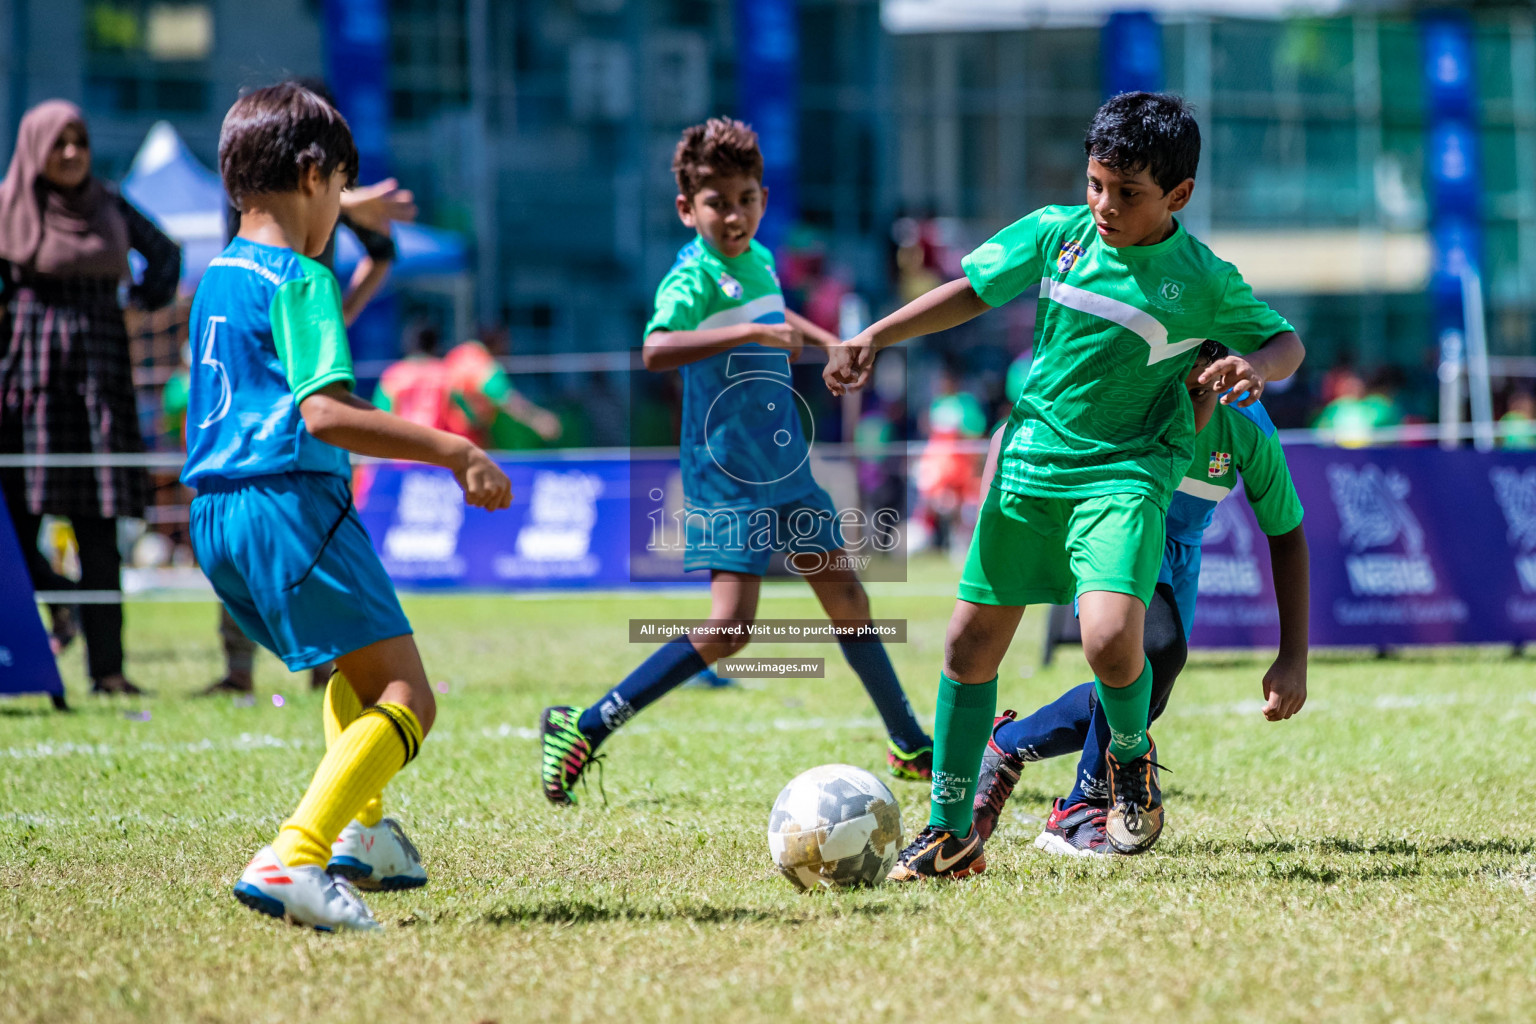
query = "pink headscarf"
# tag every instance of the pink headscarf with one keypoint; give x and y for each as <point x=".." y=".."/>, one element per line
<point x="77" y="232"/>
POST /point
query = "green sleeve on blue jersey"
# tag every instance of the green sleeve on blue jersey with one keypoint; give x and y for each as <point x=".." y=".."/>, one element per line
<point x="682" y="300"/>
<point x="1271" y="491"/>
<point x="1009" y="263"/>
<point x="309" y="332"/>
<point x="1241" y="322"/>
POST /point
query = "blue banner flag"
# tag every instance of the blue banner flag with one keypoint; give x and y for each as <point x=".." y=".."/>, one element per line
<point x="767" y="69"/>
<point x="1131" y="51"/>
<point x="26" y="660"/>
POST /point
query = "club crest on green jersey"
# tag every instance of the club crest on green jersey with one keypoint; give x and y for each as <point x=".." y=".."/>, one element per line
<point x="1170" y="291"/>
<point x="1068" y="255"/>
<point x="1221" y="464"/>
<point x="730" y="286"/>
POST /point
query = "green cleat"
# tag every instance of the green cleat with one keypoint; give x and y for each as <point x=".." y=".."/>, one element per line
<point x="914" y="767"/>
<point x="566" y="753"/>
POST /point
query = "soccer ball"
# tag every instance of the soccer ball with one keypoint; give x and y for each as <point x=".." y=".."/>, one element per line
<point x="834" y="827"/>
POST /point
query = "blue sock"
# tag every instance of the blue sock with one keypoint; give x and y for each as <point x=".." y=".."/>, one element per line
<point x="1056" y="729"/>
<point x="672" y="665"/>
<point x="1092" y="782"/>
<point x="873" y="666"/>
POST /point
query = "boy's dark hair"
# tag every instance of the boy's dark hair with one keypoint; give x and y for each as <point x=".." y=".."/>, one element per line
<point x="721" y="145"/>
<point x="426" y="340"/>
<point x="1211" y="351"/>
<point x="1151" y="131"/>
<point x="270" y="136"/>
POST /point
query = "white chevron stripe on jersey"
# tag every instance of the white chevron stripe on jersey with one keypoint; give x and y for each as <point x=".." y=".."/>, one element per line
<point x="746" y="313"/>
<point x="1203" y="489"/>
<point x="1138" y="321"/>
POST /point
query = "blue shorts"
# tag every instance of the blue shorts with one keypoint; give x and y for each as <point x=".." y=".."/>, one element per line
<point x="292" y="562"/>
<point x="1181" y="571"/>
<point x="745" y="540"/>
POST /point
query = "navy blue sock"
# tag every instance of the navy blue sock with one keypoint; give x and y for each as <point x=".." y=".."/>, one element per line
<point x="1056" y="729"/>
<point x="1092" y="782"/>
<point x="873" y="666"/>
<point x="675" y="663"/>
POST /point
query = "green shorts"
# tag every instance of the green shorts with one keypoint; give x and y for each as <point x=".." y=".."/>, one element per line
<point x="1029" y="550"/>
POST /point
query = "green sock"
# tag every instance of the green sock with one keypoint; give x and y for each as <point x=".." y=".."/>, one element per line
<point x="1126" y="709"/>
<point x="961" y="728"/>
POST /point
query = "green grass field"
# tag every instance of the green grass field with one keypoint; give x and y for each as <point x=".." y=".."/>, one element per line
<point x="1370" y="860"/>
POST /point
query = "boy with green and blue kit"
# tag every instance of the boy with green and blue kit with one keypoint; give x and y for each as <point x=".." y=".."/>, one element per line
<point x="1100" y="436"/>
<point x="270" y="419"/>
<point x="748" y="491"/>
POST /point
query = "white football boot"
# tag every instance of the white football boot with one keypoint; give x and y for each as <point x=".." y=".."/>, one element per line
<point x="377" y="858"/>
<point x="302" y="895"/>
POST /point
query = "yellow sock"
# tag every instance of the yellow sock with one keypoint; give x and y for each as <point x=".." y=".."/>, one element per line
<point x="366" y="755"/>
<point x="342" y="706"/>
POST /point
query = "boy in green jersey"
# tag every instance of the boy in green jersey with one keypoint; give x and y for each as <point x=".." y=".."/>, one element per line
<point x="1101" y="434"/>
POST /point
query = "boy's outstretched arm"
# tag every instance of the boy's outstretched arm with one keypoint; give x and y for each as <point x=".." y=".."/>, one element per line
<point x="814" y="336"/>
<point x="338" y="417"/>
<point x="1285" y="684"/>
<point x="1241" y="379"/>
<point x="667" y="350"/>
<point x="948" y="305"/>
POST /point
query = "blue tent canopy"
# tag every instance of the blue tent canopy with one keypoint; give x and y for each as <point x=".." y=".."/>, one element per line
<point x="181" y="195"/>
<point x="186" y="199"/>
<point x="421" y="251"/>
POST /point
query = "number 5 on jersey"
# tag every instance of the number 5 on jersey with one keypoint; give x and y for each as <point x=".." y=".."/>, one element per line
<point x="221" y="407"/>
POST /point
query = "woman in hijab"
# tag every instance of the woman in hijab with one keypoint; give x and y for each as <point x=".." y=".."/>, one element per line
<point x="66" y="381"/>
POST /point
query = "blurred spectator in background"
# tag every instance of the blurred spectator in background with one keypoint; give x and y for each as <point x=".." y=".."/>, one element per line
<point x="1520" y="420"/>
<point x="948" y="479"/>
<point x="416" y="387"/>
<point x="66" y="381"/>
<point x="1341" y="379"/>
<point x="486" y="408"/>
<point x="1357" y="411"/>
<point x="465" y="392"/>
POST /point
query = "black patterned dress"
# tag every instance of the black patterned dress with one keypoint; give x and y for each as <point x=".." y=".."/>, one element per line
<point x="66" y="380"/>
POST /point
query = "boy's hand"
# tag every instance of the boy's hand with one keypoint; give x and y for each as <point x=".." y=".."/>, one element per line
<point x="484" y="484"/>
<point x="376" y="206"/>
<point x="848" y="365"/>
<point x="782" y="336"/>
<point x="1285" y="688"/>
<point x="1235" y="379"/>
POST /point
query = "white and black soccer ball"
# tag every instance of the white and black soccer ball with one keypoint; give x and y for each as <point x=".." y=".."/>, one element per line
<point x="834" y="827"/>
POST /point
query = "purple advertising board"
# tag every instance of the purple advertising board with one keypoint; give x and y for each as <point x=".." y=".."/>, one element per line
<point x="1409" y="546"/>
<point x="567" y="527"/>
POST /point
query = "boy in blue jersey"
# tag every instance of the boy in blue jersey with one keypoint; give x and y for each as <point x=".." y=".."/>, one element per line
<point x="270" y="419"/>
<point x="747" y="485"/>
<point x="1232" y="441"/>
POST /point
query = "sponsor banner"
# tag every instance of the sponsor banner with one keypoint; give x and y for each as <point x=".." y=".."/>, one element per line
<point x="1409" y="546"/>
<point x="567" y="526"/>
